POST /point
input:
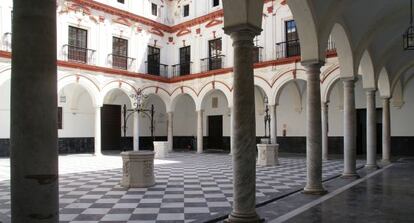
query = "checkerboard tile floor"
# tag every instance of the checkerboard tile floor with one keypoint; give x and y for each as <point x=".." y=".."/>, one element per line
<point x="189" y="188"/>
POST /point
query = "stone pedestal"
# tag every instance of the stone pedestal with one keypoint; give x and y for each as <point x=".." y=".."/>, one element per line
<point x="138" y="169"/>
<point x="268" y="154"/>
<point x="161" y="149"/>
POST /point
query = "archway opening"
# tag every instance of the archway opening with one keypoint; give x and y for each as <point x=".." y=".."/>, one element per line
<point x="185" y="123"/>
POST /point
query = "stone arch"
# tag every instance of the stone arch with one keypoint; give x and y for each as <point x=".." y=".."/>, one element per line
<point x="161" y="93"/>
<point x="327" y="93"/>
<point x="125" y="87"/>
<point x="384" y="83"/>
<point x="90" y="86"/>
<point x="5" y="75"/>
<point x="177" y="97"/>
<point x="178" y="92"/>
<point x="344" y="50"/>
<point x="366" y="68"/>
<point x="281" y="84"/>
<point x="210" y="88"/>
<point x="265" y="86"/>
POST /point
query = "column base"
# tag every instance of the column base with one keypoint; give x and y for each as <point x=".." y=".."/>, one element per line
<point x="351" y="176"/>
<point x="385" y="162"/>
<point x="243" y="218"/>
<point x="371" y="166"/>
<point x="98" y="154"/>
<point x="314" y="191"/>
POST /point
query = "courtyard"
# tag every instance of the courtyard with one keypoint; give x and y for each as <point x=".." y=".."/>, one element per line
<point x="190" y="187"/>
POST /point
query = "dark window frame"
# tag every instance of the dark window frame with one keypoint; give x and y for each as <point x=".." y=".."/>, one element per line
<point x="77" y="44"/>
<point x="185" y="60"/>
<point x="186" y="10"/>
<point x="215" y="48"/>
<point x="154" y="9"/>
<point x="153" y="60"/>
<point x="216" y="3"/>
<point x="121" y="1"/>
<point x="291" y="38"/>
<point x="119" y="52"/>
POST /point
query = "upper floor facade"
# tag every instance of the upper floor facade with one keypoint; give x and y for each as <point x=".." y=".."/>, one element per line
<point x="159" y="39"/>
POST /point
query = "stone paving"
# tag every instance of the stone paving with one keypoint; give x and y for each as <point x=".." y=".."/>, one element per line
<point x="189" y="188"/>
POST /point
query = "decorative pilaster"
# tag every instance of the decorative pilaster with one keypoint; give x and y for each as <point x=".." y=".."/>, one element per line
<point x="386" y="131"/>
<point x="325" y="129"/>
<point x="33" y="136"/>
<point x="136" y="131"/>
<point x="200" y="131"/>
<point x="371" y="131"/>
<point x="349" y="129"/>
<point x="314" y="131"/>
<point x="98" y="139"/>
<point x="170" y="131"/>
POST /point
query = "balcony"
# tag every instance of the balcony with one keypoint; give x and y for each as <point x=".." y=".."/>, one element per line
<point x="257" y="54"/>
<point x="181" y="69"/>
<point x="78" y="54"/>
<point x="157" y="69"/>
<point x="120" y="62"/>
<point x="7" y="42"/>
<point x="212" y="63"/>
<point x="287" y="49"/>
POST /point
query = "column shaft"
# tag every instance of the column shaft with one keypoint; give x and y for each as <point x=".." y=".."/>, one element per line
<point x="349" y="129"/>
<point x="231" y="130"/>
<point x="386" y="132"/>
<point x="325" y="130"/>
<point x="371" y="131"/>
<point x="244" y="130"/>
<point x="170" y="131"/>
<point x="273" y="124"/>
<point x="98" y="131"/>
<point x="314" y="131"/>
<point x="33" y="144"/>
<point x="136" y="131"/>
<point x="200" y="131"/>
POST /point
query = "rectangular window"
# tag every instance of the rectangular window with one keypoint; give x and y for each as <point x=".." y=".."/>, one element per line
<point x="77" y="44"/>
<point x="153" y="60"/>
<point x="214" y="54"/>
<point x="292" y="39"/>
<point x="119" y="53"/>
<point x="216" y="3"/>
<point x="60" y="118"/>
<point x="121" y="1"/>
<point x="186" y="10"/>
<point x="185" y="60"/>
<point x="154" y="9"/>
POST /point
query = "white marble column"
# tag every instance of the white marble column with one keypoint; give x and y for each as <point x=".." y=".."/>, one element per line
<point x="244" y="128"/>
<point x="349" y="129"/>
<point x="325" y="129"/>
<point x="170" y="131"/>
<point x="200" y="131"/>
<point x="386" y="131"/>
<point x="33" y="111"/>
<point x="314" y="131"/>
<point x="231" y="130"/>
<point x="273" y="123"/>
<point x="98" y="139"/>
<point x="136" y="131"/>
<point x="371" y="131"/>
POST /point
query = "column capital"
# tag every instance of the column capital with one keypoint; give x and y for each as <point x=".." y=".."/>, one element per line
<point x="385" y="98"/>
<point x="370" y="90"/>
<point x="242" y="29"/>
<point x="313" y="64"/>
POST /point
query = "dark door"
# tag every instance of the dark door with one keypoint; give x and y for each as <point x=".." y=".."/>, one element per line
<point x="119" y="53"/>
<point x="111" y="127"/>
<point x="214" y="54"/>
<point x="185" y="60"/>
<point x="292" y="39"/>
<point x="215" y="132"/>
<point x="153" y="60"/>
<point x="361" y="131"/>
<point x="77" y="44"/>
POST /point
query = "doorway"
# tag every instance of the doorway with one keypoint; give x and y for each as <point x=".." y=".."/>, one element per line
<point x="111" y="127"/>
<point x="362" y="131"/>
<point x="215" y="132"/>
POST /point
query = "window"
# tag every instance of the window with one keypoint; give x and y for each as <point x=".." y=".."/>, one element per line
<point x="59" y="118"/>
<point x="153" y="60"/>
<point x="216" y="3"/>
<point x="119" y="53"/>
<point x="154" y="9"/>
<point x="186" y="10"/>
<point x="214" y="54"/>
<point x="121" y="1"/>
<point x="292" y="39"/>
<point x="185" y="60"/>
<point x="77" y="44"/>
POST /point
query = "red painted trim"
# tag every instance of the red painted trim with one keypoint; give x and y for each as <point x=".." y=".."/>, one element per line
<point x="213" y="22"/>
<point x="79" y="76"/>
<point x="183" y="32"/>
<point x="5" y="54"/>
<point x="330" y="72"/>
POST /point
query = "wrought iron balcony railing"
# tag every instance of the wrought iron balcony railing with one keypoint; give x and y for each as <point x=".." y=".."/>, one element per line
<point x="120" y="62"/>
<point x="78" y="54"/>
<point x="287" y="49"/>
<point x="212" y="63"/>
<point x="257" y="54"/>
<point x="181" y="69"/>
<point x="157" y="69"/>
<point x="7" y="42"/>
